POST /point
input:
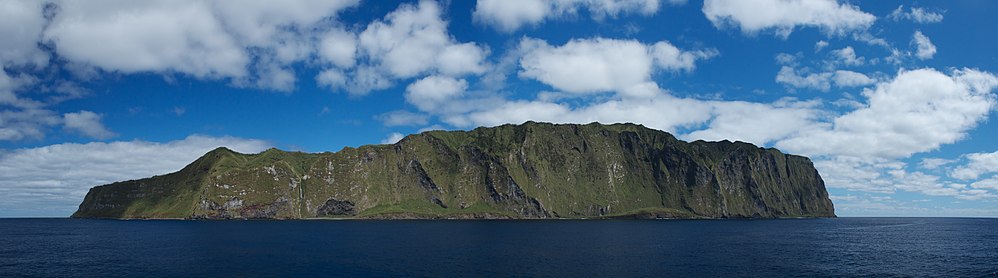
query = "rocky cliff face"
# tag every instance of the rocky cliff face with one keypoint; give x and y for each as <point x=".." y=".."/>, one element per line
<point x="533" y="170"/>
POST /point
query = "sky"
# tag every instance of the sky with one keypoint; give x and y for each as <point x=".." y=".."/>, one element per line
<point x="892" y="101"/>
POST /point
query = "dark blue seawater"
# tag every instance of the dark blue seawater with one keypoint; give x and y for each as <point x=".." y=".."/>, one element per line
<point x="575" y="248"/>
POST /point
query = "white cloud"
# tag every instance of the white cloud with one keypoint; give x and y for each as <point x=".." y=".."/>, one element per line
<point x="266" y="23"/>
<point x="822" y="81"/>
<point x="783" y="16"/>
<point x="661" y="112"/>
<point x="413" y="40"/>
<point x="847" y="56"/>
<point x="429" y="93"/>
<point x="508" y="16"/>
<point x="21" y="24"/>
<point x="586" y="66"/>
<point x="934" y="163"/>
<point x="511" y="15"/>
<point x="86" y="123"/>
<point x="22" y="118"/>
<point x="845" y="78"/>
<point x="818" y="46"/>
<point x="26" y="123"/>
<point x="52" y="180"/>
<point x="924" y="49"/>
<point x="669" y="57"/>
<point x="332" y="78"/>
<point x="889" y="176"/>
<point x="977" y="164"/>
<point x="731" y="120"/>
<point x="991" y="183"/>
<point x="393" y="138"/>
<point x="251" y="43"/>
<point x="852" y="173"/>
<point x="403" y="118"/>
<point x="918" y="15"/>
<point x="603" y="65"/>
<point x="917" y="111"/>
<point x="923" y="183"/>
<point x="410" y="42"/>
<point x="10" y="84"/>
<point x="786" y="59"/>
<point x="339" y="47"/>
<point x="153" y="36"/>
<point x="798" y="79"/>
<point x="740" y="121"/>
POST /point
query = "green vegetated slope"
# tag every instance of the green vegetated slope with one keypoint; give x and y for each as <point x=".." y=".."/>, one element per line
<point x="533" y="170"/>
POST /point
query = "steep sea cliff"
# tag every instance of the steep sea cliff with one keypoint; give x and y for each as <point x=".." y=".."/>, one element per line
<point x="533" y="170"/>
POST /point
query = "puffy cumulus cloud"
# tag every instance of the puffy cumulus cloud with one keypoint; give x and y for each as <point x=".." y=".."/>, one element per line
<point x="783" y="16"/>
<point x="818" y="46"/>
<point x="21" y="24"/>
<point x="847" y="56"/>
<point x="623" y="68"/>
<point x="338" y="47"/>
<point x="153" y="36"/>
<point x="924" y="49"/>
<point x="86" y="123"/>
<point x="52" y="180"/>
<point x="845" y="78"/>
<point x="977" y="164"/>
<point x="822" y="81"/>
<point x="786" y="59"/>
<point x="252" y="43"/>
<point x="508" y="16"/>
<point x="277" y="35"/>
<point x="804" y="79"/>
<point x="266" y="23"/>
<point x="917" y="111"/>
<point x="410" y="42"/>
<point x="669" y="57"/>
<point x="511" y="15"/>
<point x="915" y="14"/>
<point x="603" y="65"/>
<point x="429" y="93"/>
<point x="586" y="66"/>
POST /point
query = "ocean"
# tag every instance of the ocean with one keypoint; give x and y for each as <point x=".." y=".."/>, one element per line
<point x="880" y="247"/>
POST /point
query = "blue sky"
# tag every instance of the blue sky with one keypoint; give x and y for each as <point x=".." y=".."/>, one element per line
<point x="893" y="101"/>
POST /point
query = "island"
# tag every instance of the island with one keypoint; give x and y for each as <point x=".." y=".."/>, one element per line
<point x="527" y="171"/>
